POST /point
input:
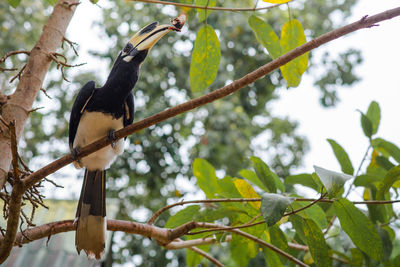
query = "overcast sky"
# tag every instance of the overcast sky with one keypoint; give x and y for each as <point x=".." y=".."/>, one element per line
<point x="380" y="82"/>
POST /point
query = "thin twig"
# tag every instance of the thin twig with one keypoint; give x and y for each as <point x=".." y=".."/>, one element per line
<point x="214" y="95"/>
<point x="45" y="93"/>
<point x="18" y="75"/>
<point x="207" y="7"/>
<point x="271" y="247"/>
<point x="12" y="53"/>
<point x="217" y="200"/>
<point x="71" y="44"/>
<point x="207" y="256"/>
<point x="307" y="206"/>
<point x="5" y="69"/>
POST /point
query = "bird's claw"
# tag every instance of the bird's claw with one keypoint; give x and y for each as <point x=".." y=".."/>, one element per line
<point x="112" y="137"/>
<point x="74" y="154"/>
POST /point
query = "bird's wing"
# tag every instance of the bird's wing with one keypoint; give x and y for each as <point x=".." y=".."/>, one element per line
<point x="80" y="103"/>
<point x="129" y="110"/>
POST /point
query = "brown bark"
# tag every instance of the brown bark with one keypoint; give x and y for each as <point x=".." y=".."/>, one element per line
<point x="365" y="22"/>
<point x="31" y="82"/>
<point x="20" y="102"/>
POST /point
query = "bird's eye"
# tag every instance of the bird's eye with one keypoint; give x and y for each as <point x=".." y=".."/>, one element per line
<point x="127" y="48"/>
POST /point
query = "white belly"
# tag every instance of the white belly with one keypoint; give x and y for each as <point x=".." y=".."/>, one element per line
<point x="92" y="127"/>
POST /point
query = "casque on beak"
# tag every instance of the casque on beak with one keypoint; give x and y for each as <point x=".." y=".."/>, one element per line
<point x="147" y="37"/>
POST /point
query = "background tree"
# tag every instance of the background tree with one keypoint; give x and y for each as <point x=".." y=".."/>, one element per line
<point x="154" y="158"/>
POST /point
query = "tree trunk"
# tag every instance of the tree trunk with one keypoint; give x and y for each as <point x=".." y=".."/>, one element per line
<point x="20" y="102"/>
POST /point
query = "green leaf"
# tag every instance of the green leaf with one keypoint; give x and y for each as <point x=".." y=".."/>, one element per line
<point x="366" y="180"/>
<point x="342" y="157"/>
<point x="267" y="177"/>
<point x="273" y="207"/>
<point x="193" y="259"/>
<point x="293" y="36"/>
<point x="226" y="188"/>
<point x="366" y="125"/>
<point x="383" y="187"/>
<point x="315" y="213"/>
<point x="271" y="258"/>
<point x="374" y="115"/>
<point x="205" y="59"/>
<point x="332" y="181"/>
<point x="297" y="223"/>
<point x="359" y="228"/>
<point x="304" y="179"/>
<point x="278" y="238"/>
<point x="386" y="242"/>
<point x="183" y="216"/>
<point x="251" y="176"/>
<point x="204" y="13"/>
<point x="316" y="243"/>
<point x="206" y="178"/>
<point x="383" y="162"/>
<point x="242" y="250"/>
<point x="265" y="36"/>
<point x="357" y="257"/>
<point x="386" y="148"/>
<point x="14" y="3"/>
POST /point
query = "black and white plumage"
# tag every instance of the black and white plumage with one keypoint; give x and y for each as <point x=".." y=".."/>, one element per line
<point x="96" y="113"/>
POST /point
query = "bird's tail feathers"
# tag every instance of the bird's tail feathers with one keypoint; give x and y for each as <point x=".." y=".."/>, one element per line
<point x="91" y="215"/>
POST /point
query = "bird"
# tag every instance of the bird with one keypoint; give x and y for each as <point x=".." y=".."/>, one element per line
<point x="97" y="113"/>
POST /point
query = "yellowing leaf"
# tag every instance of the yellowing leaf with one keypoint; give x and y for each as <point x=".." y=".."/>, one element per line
<point x="205" y="59"/>
<point x="247" y="192"/>
<point x="293" y="36"/>
<point x="277" y="1"/>
<point x="266" y="36"/>
<point x="204" y="13"/>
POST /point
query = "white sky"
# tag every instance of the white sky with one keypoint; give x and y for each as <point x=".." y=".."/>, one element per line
<point x="380" y="82"/>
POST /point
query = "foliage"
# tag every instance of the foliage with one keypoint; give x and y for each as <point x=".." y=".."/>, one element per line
<point x="370" y="234"/>
<point x="222" y="132"/>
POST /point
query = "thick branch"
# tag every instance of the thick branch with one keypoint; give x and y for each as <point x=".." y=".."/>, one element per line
<point x="31" y="80"/>
<point x="365" y="22"/>
<point x="207" y="7"/>
<point x="20" y="103"/>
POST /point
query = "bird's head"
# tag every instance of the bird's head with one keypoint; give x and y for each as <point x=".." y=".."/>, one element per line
<point x="140" y="44"/>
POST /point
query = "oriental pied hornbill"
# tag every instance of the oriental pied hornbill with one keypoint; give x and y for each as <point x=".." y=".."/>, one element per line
<point x="99" y="112"/>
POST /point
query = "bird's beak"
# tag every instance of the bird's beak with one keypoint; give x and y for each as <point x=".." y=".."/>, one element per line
<point x="147" y="37"/>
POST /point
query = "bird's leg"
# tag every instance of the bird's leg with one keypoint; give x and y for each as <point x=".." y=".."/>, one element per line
<point x="112" y="137"/>
<point x="74" y="154"/>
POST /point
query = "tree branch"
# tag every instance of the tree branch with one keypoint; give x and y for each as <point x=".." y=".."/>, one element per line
<point x="219" y="200"/>
<point x="207" y="256"/>
<point x="195" y="242"/>
<point x="207" y="7"/>
<point x="31" y="80"/>
<point x="365" y="22"/>
<point x="157" y="213"/>
<point x="38" y="64"/>
<point x="20" y="102"/>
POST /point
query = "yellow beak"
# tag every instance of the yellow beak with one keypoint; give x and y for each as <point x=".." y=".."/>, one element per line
<point x="147" y="37"/>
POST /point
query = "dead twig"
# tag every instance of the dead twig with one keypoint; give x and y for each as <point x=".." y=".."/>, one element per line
<point x="71" y="44"/>
<point x="18" y="75"/>
<point x="12" y="53"/>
